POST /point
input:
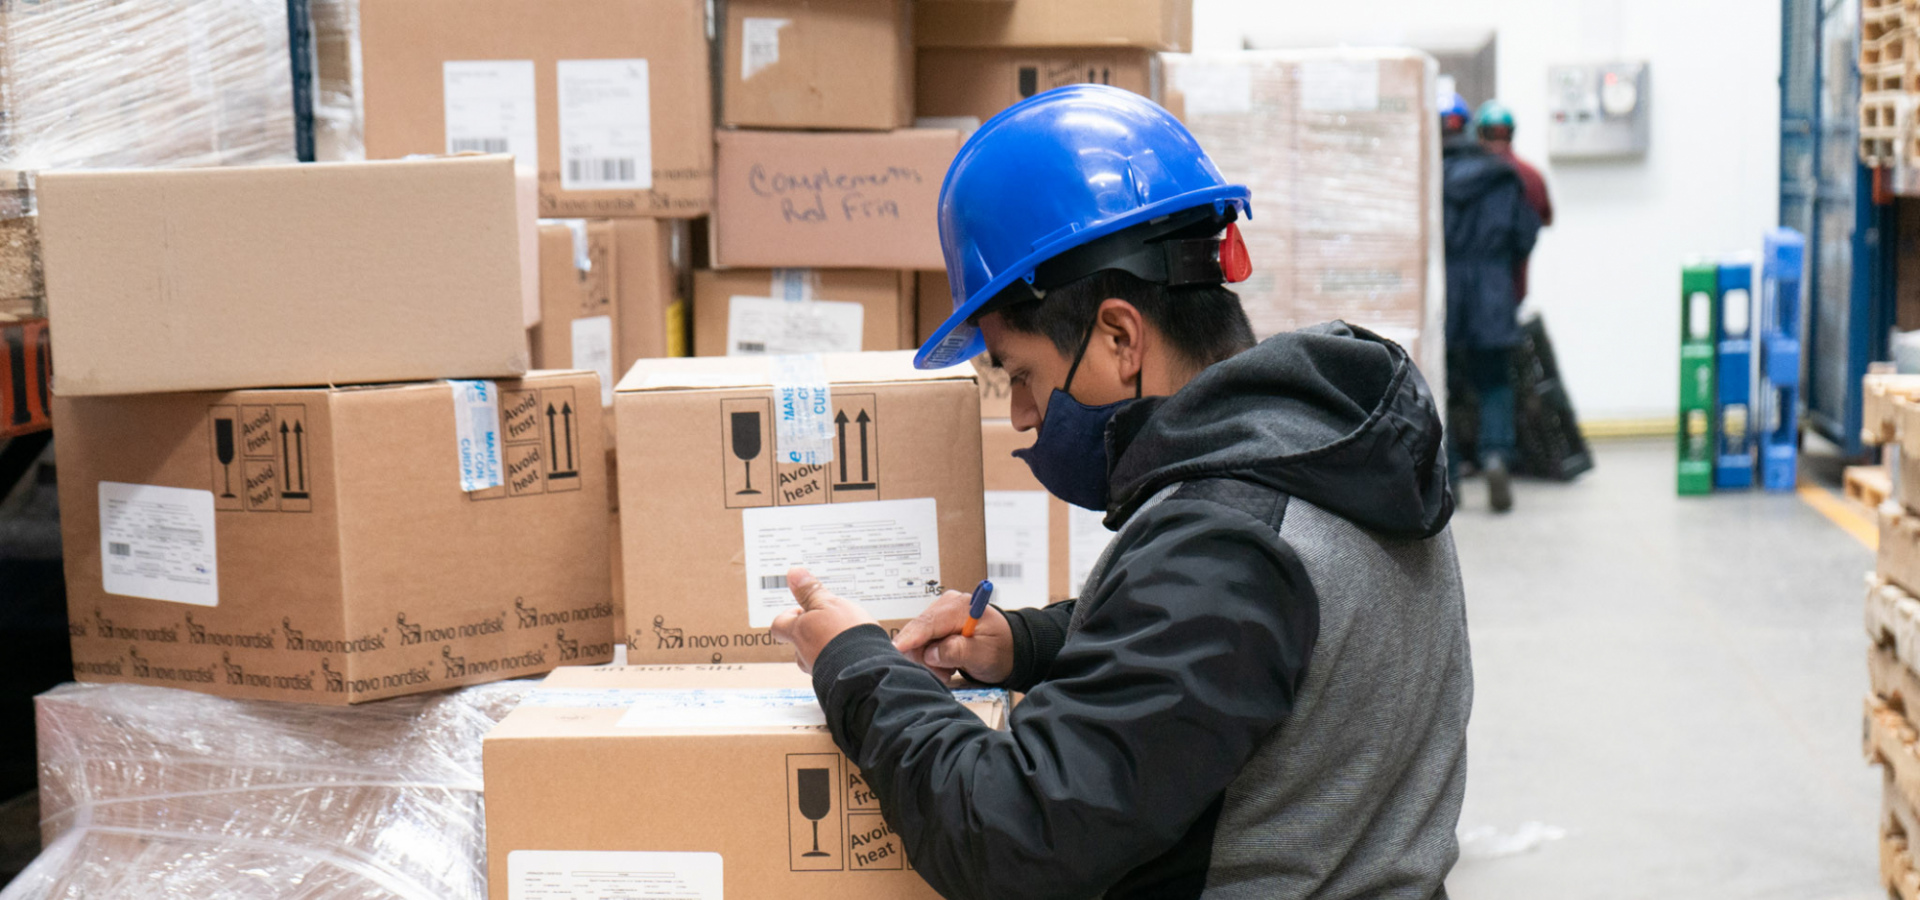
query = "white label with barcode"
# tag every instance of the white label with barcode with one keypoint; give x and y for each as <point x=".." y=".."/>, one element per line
<point x="476" y="426"/>
<point x="1017" y="548"/>
<point x="762" y="325"/>
<point x="881" y="554"/>
<point x="593" y="349"/>
<point x="490" y="108"/>
<point x="609" y="874"/>
<point x="606" y="125"/>
<point x="157" y="543"/>
<point x="759" y="44"/>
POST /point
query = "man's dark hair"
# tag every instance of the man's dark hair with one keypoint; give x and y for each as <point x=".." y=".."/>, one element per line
<point x="1204" y="324"/>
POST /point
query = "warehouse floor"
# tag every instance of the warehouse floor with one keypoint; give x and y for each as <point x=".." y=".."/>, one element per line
<point x="1668" y="698"/>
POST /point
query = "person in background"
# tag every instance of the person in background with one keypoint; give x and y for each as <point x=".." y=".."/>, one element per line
<point x="1494" y="124"/>
<point x="1454" y="116"/>
<point x="1490" y="230"/>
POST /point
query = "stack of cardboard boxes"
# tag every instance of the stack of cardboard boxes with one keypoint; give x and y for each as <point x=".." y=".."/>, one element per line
<point x="269" y="487"/>
<point x="1893" y="630"/>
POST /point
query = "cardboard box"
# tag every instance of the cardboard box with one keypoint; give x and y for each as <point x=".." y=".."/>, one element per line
<point x="719" y="496"/>
<point x="336" y="273"/>
<point x="818" y="64"/>
<point x="851" y="200"/>
<point x="747" y="312"/>
<point x="652" y="319"/>
<point x="26" y="368"/>
<point x="979" y="82"/>
<point x="579" y="322"/>
<point x="609" y="100"/>
<point x="1147" y="24"/>
<point x="1040" y="549"/>
<point x="317" y="545"/>
<point x="723" y="777"/>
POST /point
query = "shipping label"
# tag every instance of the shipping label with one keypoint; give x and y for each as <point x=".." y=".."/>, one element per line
<point x="476" y="415"/>
<point x="802" y="410"/>
<point x="593" y="349"/>
<point x="157" y="543"/>
<point x="606" y="125"/>
<point x="882" y="554"/>
<point x="764" y="325"/>
<point x="1017" y="548"/>
<point x="490" y="108"/>
<point x="759" y="44"/>
<point x="609" y="874"/>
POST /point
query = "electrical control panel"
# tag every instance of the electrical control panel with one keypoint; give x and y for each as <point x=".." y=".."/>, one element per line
<point x="1597" y="111"/>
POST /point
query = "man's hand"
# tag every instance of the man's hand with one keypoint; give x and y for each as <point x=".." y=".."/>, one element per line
<point x="933" y="640"/>
<point x="822" y="616"/>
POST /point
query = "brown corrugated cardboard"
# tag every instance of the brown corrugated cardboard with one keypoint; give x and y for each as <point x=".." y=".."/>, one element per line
<point x="979" y="82"/>
<point x="605" y="770"/>
<point x="818" y="64"/>
<point x="740" y="312"/>
<point x="653" y="307"/>
<point x="316" y="544"/>
<point x="335" y="273"/>
<point x="853" y="200"/>
<point x="579" y="322"/>
<point x="717" y="501"/>
<point x="1148" y="24"/>
<point x="615" y="95"/>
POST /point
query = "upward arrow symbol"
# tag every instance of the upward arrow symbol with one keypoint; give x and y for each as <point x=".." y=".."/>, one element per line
<point x="300" y="453"/>
<point x="566" y="413"/>
<point x="863" y="420"/>
<point x="286" y="458"/>
<point x="553" y="442"/>
<point x="840" y="421"/>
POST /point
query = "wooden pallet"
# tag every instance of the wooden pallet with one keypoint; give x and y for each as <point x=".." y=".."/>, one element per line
<point x="1869" y="486"/>
<point x="1894" y="46"/>
<point x="1878" y="420"/>
<point x="1897" y="874"/>
<point x="1900" y="76"/>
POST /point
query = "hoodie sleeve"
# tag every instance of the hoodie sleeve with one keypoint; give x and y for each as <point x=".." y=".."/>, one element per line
<point x="1038" y="635"/>
<point x="1192" y="650"/>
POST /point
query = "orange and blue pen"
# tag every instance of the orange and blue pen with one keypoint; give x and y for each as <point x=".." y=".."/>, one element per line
<point x="977" y="608"/>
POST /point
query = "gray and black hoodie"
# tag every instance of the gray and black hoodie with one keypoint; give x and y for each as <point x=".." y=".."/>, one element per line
<point x="1262" y="690"/>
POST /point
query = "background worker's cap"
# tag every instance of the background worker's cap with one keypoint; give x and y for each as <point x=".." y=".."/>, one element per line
<point x="1456" y="108"/>
<point x="1073" y="181"/>
<point x="1493" y="114"/>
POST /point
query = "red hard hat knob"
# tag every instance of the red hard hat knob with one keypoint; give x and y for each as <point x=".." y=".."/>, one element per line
<point x="1234" y="262"/>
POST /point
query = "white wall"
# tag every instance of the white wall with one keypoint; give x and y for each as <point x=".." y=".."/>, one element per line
<point x="1607" y="274"/>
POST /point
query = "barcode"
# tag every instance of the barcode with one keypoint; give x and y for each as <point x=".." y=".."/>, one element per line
<point x="772" y="582"/>
<point x="1004" y="570"/>
<point x="118" y="549"/>
<point x="617" y="170"/>
<point x="751" y="346"/>
<point x="482" y="144"/>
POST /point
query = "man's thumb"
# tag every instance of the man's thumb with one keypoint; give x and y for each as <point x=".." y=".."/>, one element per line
<point x="803" y="585"/>
<point x="948" y="653"/>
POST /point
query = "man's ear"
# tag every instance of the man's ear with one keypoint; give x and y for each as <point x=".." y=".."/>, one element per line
<point x="1121" y="323"/>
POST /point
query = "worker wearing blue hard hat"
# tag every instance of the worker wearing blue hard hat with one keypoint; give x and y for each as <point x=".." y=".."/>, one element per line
<point x="1262" y="689"/>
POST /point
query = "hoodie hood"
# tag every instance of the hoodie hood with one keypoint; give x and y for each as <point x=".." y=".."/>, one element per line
<point x="1334" y="415"/>
<point x="1470" y="175"/>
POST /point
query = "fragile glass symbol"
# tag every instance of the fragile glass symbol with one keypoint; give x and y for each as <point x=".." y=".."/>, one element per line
<point x="746" y="446"/>
<point x="816" y="800"/>
<point x="223" y="449"/>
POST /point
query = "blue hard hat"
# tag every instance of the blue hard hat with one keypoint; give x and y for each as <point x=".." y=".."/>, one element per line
<point x="1068" y="182"/>
<point x="1457" y="106"/>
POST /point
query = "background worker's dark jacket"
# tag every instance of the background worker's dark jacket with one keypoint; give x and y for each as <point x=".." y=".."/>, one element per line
<point x="1490" y="229"/>
<point x="1261" y="692"/>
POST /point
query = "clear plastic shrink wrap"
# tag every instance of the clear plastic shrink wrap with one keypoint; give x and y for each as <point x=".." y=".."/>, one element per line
<point x="337" y="135"/>
<point x="137" y="83"/>
<point x="149" y="793"/>
<point x="1341" y="150"/>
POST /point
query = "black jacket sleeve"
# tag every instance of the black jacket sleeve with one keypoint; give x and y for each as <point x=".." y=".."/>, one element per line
<point x="1192" y="651"/>
<point x="1038" y="635"/>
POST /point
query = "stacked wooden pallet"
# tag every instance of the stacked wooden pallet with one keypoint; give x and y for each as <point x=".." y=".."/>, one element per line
<point x="1891" y="417"/>
<point x="1889" y="81"/>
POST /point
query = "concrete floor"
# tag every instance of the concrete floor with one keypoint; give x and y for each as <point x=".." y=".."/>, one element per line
<point x="1668" y="694"/>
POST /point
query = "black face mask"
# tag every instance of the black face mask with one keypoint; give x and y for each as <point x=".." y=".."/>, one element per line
<point x="1070" y="455"/>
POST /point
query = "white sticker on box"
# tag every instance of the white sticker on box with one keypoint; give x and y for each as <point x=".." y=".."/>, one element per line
<point x="476" y="429"/>
<point x="1213" y="88"/>
<point x="723" y="709"/>
<point x="606" y="125"/>
<point x="593" y="349"/>
<point x="881" y="554"/>
<point x="1087" y="538"/>
<point x="803" y="410"/>
<point x="759" y="44"/>
<point x="762" y="325"/>
<point x="490" y="108"/>
<point x="1340" y="85"/>
<point x="608" y="874"/>
<point x="1017" y="548"/>
<point x="157" y="543"/>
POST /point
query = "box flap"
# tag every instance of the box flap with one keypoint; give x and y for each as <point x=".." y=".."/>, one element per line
<point x="704" y="372"/>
